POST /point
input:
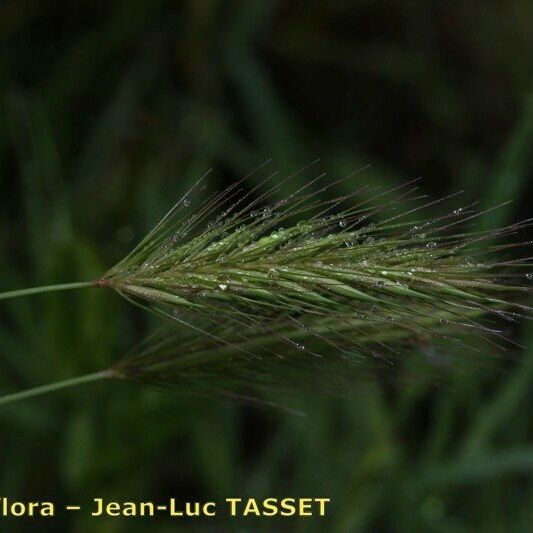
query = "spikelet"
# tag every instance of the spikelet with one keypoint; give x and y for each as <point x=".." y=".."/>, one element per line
<point x="357" y="262"/>
<point x="276" y="362"/>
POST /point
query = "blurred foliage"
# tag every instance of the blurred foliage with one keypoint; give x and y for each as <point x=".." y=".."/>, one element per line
<point x="111" y="109"/>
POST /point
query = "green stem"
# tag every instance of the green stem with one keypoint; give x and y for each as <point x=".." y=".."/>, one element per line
<point x="44" y="389"/>
<point x="45" y="288"/>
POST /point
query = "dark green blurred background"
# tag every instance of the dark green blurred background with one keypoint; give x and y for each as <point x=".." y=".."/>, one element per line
<point x="111" y="109"/>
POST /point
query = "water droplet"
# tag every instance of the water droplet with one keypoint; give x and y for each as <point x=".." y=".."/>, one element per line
<point x="186" y="202"/>
<point x="529" y="275"/>
<point x="274" y="235"/>
<point x="272" y="273"/>
<point x="374" y="309"/>
<point x="380" y="283"/>
<point x="458" y="211"/>
<point x="348" y="244"/>
<point x="343" y="223"/>
<point x="300" y="346"/>
<point x="267" y="212"/>
<point x="469" y="263"/>
<point x="431" y="245"/>
<point x="390" y="318"/>
<point x="223" y="286"/>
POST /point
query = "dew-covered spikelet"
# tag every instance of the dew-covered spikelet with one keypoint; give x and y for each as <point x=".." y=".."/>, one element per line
<point x="369" y="260"/>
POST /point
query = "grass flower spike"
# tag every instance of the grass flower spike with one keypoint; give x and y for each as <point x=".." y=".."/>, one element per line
<point x="308" y="259"/>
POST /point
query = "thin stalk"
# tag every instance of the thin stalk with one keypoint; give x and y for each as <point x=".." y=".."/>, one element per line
<point x="45" y="288"/>
<point x="44" y="389"/>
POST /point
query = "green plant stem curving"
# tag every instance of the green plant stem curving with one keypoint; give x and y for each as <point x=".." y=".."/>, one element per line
<point x="45" y="288"/>
<point x="44" y="389"/>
